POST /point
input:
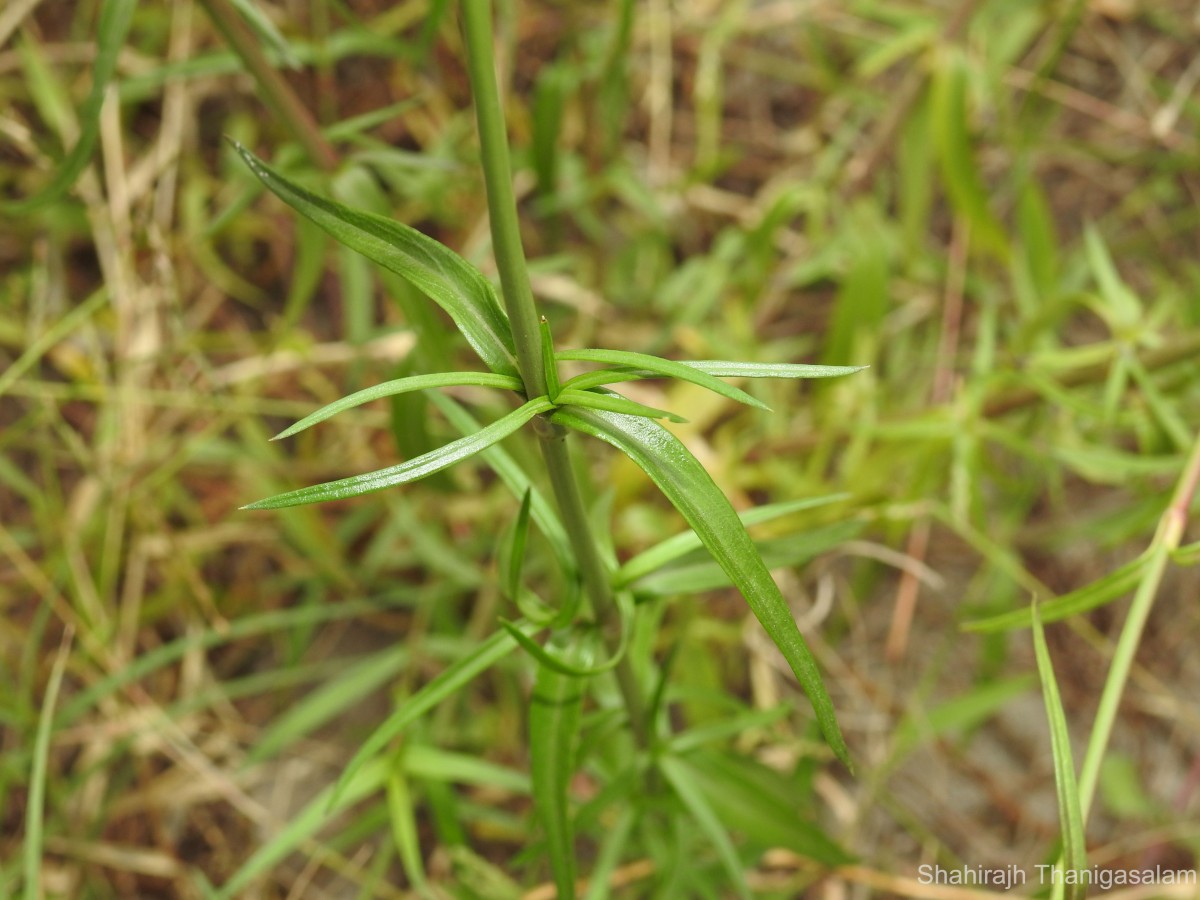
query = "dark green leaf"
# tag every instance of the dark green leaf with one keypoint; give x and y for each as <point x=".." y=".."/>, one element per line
<point x="613" y="403"/>
<point x="660" y="366"/>
<point x="691" y="489"/>
<point x="453" y="283"/>
<point x="413" y="469"/>
<point x="402" y="386"/>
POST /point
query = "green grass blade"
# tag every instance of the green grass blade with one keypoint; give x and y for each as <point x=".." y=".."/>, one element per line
<point x="549" y="365"/>
<point x="115" y="18"/>
<point x="304" y="825"/>
<point x="330" y="700"/>
<point x="613" y="403"/>
<point x="402" y="816"/>
<point x="724" y="369"/>
<point x="452" y="680"/>
<point x="684" y="782"/>
<point x="402" y="386"/>
<point x="554" y="715"/>
<point x="684" y="481"/>
<point x="449" y="280"/>
<point x="960" y="169"/>
<point x="34" y="805"/>
<point x="762" y="804"/>
<point x="1074" y="858"/>
<point x="660" y="366"/>
<point x="412" y="469"/>
<point x="512" y="551"/>
<point x="1104" y="590"/>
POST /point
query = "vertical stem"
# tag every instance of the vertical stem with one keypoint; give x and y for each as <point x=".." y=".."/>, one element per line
<point x="518" y="300"/>
<point x="502" y="204"/>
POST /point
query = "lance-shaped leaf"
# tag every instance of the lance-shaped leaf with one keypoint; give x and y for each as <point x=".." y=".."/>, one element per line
<point x="1070" y="813"/>
<point x="410" y="470"/>
<point x="685" y="482"/>
<point x="613" y="402"/>
<point x="402" y="386"/>
<point x="660" y="366"/>
<point x="449" y="280"/>
<point x="718" y="368"/>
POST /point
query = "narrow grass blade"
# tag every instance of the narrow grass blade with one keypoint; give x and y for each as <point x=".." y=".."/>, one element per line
<point x="412" y="469"/>
<point x="1104" y="590"/>
<point x="115" y="18"/>
<point x="554" y="715"/>
<point x="449" y="280"/>
<point x="402" y="386"/>
<point x="512" y="558"/>
<point x="402" y="816"/>
<point x="762" y="804"/>
<point x="452" y="680"/>
<point x="684" y="481"/>
<point x="715" y="367"/>
<point x="724" y="369"/>
<point x="1074" y="858"/>
<point x="680" y="545"/>
<point x="660" y="366"/>
<point x="613" y="403"/>
<point x="34" y="805"/>
<point x="960" y="170"/>
<point x="304" y="825"/>
<point x="330" y="700"/>
<point x="683" y="781"/>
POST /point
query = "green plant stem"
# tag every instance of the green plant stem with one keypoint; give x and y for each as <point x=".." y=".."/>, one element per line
<point x="276" y="92"/>
<point x="518" y="301"/>
<point x="1170" y="532"/>
<point x="502" y="204"/>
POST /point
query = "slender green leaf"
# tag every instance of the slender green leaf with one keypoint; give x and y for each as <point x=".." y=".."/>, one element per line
<point x="512" y="559"/>
<point x="715" y="367"/>
<point x="554" y="715"/>
<point x="449" y="280"/>
<point x="402" y="816"/>
<point x="613" y="403"/>
<point x="678" y="545"/>
<point x="684" y="481"/>
<point x="959" y="714"/>
<point x="762" y="804"/>
<point x="960" y="170"/>
<point x="549" y="365"/>
<point x="452" y="680"/>
<point x="612" y="849"/>
<point x="304" y="824"/>
<point x="267" y="32"/>
<point x="1187" y="555"/>
<point x="1122" y="305"/>
<point x="1074" y="857"/>
<point x="413" y="469"/>
<point x="34" y="804"/>
<point x="402" y="386"/>
<point x="684" y="782"/>
<point x="1104" y="590"/>
<point x="435" y="764"/>
<point x="661" y="366"/>
<point x="330" y="700"/>
<point x="725" y="369"/>
<point x="115" y="18"/>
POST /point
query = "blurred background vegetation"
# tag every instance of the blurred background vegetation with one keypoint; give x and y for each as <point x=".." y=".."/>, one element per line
<point x="993" y="203"/>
